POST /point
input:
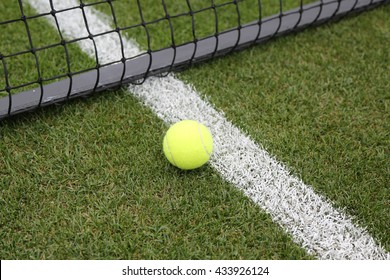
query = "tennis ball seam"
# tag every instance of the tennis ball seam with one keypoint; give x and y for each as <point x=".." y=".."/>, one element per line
<point x="202" y="140"/>
<point x="169" y="151"/>
<point x="188" y="144"/>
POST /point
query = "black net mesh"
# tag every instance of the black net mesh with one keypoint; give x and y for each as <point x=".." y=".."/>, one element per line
<point x="53" y="50"/>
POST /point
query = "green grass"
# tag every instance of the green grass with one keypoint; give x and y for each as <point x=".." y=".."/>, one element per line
<point x="21" y="63"/>
<point x="319" y="102"/>
<point x="88" y="180"/>
<point x="227" y="16"/>
<point x="22" y="69"/>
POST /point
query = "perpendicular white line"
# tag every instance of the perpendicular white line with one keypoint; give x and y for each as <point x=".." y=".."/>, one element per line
<point x="324" y="231"/>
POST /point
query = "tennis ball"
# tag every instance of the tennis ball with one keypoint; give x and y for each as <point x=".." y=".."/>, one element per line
<point x="188" y="144"/>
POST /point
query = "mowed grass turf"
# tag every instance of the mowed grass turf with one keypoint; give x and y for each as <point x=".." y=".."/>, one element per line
<point x="18" y="60"/>
<point x="329" y="87"/>
<point x="52" y="61"/>
<point x="89" y="180"/>
<point x="318" y="101"/>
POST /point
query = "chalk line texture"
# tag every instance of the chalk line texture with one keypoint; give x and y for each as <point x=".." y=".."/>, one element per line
<point x="311" y="220"/>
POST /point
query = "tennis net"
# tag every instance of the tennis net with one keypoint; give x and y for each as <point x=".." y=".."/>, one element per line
<point x="42" y="64"/>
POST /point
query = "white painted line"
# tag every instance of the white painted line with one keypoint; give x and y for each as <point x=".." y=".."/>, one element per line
<point x="309" y="218"/>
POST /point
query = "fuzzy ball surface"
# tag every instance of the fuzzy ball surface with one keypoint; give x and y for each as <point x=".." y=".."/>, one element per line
<point x="188" y="144"/>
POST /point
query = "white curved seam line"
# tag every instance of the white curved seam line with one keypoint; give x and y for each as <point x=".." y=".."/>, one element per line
<point x="202" y="140"/>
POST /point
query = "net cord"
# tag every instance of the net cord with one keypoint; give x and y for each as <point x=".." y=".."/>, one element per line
<point x="138" y="68"/>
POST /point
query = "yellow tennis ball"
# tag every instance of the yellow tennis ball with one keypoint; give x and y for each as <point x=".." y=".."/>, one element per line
<point x="188" y="144"/>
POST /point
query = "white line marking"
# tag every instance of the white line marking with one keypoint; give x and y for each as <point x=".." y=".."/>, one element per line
<point x="322" y="230"/>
